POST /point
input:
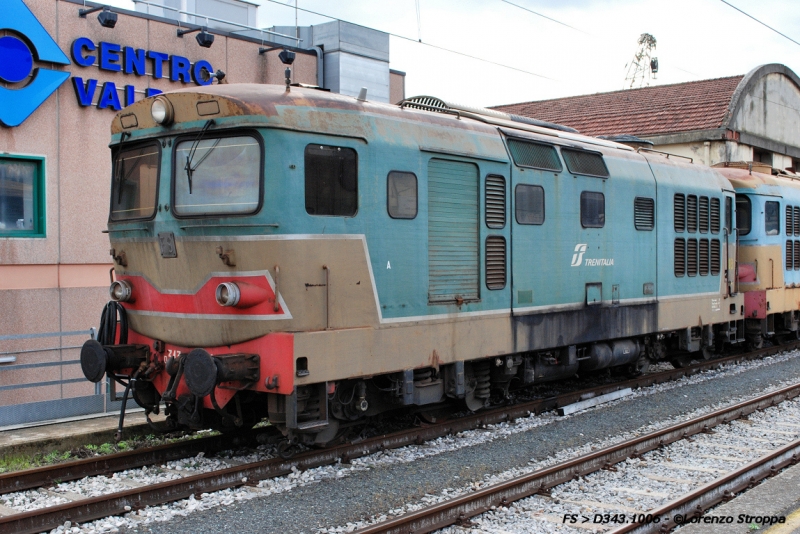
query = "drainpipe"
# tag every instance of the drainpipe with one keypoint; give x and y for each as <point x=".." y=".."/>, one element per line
<point x="320" y="66"/>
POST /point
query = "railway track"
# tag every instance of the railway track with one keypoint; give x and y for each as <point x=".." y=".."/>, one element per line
<point x="544" y="483"/>
<point x="83" y="509"/>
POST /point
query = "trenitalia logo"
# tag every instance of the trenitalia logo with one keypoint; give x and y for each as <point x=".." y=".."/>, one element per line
<point x="578" y="256"/>
<point x="21" y="51"/>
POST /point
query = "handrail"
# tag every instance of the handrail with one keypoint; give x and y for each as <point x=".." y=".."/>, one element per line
<point x="667" y="154"/>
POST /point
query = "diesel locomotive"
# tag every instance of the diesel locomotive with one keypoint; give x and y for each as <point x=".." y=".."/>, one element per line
<point x="317" y="259"/>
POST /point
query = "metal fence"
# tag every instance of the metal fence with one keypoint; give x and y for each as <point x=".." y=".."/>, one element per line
<point x="102" y="400"/>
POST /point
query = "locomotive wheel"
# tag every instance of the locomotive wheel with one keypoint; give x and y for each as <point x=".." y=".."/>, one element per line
<point x="286" y="450"/>
<point x="682" y="361"/>
<point x="755" y="342"/>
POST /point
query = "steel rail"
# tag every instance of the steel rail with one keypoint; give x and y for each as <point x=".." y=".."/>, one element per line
<point x="693" y="504"/>
<point x="459" y="509"/>
<point x="116" y="503"/>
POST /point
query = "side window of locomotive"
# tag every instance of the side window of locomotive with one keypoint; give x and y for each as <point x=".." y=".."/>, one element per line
<point x="593" y="209"/>
<point x="219" y="175"/>
<point x="331" y="180"/>
<point x="529" y="202"/>
<point x="772" y="218"/>
<point x="534" y="155"/>
<point x="743" y="214"/>
<point x="644" y="213"/>
<point x="584" y="162"/>
<point x="134" y="182"/>
<point x="401" y="195"/>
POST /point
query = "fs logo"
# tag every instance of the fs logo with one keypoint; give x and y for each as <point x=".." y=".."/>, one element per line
<point x="27" y="44"/>
<point x="577" y="258"/>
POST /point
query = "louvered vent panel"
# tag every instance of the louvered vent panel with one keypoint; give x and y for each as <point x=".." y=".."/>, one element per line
<point x="704" y="259"/>
<point x="715" y="257"/>
<point x="704" y="214"/>
<point x="691" y="213"/>
<point x="495" y="262"/>
<point x="680" y="213"/>
<point x="796" y="255"/>
<point x="789" y="255"/>
<point x="644" y="213"/>
<point x="680" y="257"/>
<point x="715" y="215"/>
<point x="534" y="155"/>
<point x="425" y="102"/>
<point x="691" y="257"/>
<point x="796" y="221"/>
<point x="580" y="162"/>
<point x="495" y="201"/>
<point x="789" y="221"/>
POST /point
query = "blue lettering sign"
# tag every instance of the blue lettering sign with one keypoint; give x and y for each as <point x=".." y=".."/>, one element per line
<point x="134" y="61"/>
<point x="158" y="62"/>
<point x="152" y="92"/>
<point x="80" y="46"/>
<point x="130" y="95"/>
<point x="109" y="57"/>
<point x="179" y="69"/>
<point x="85" y="93"/>
<point x="197" y="72"/>
<point x="109" y="97"/>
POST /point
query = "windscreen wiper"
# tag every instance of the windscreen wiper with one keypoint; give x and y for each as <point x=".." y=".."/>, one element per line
<point x="189" y="169"/>
<point x="118" y="177"/>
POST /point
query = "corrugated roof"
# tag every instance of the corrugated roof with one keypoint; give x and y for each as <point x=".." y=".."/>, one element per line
<point x="655" y="110"/>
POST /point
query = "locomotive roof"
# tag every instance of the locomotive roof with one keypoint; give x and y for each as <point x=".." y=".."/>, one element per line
<point x="270" y="102"/>
<point x="761" y="183"/>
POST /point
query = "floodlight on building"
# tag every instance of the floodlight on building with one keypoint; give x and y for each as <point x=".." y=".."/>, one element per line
<point x="107" y="18"/>
<point x="204" y="38"/>
<point x="286" y="57"/>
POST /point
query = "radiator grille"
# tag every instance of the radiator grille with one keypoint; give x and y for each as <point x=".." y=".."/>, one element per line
<point x="495" y="201"/>
<point x="691" y="257"/>
<point x="715" y="215"/>
<point x="796" y="255"/>
<point x="715" y="257"/>
<point x="691" y="213"/>
<point x="644" y="213"/>
<point x="789" y="254"/>
<point x="704" y="259"/>
<point x="580" y="162"/>
<point x="704" y="214"/>
<point x="789" y="220"/>
<point x="680" y="213"/>
<point x="796" y="221"/>
<point x="495" y="262"/>
<point x="534" y="155"/>
<point x="680" y="256"/>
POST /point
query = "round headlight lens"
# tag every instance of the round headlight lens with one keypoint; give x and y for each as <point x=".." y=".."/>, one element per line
<point x="120" y="291"/>
<point x="161" y="110"/>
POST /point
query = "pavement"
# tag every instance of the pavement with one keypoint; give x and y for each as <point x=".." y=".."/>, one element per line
<point x="66" y="434"/>
<point x="775" y="498"/>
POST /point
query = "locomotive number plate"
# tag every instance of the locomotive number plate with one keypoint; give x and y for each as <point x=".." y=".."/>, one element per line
<point x="166" y="241"/>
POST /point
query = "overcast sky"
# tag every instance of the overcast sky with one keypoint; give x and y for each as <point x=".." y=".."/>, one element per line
<point x="586" y="51"/>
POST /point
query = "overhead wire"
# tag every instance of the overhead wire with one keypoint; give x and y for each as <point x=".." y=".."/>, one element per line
<point x="463" y="54"/>
<point x="760" y="22"/>
<point x="544" y="16"/>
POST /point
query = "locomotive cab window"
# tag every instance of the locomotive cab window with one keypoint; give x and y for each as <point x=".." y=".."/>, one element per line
<point x="331" y="179"/>
<point x="134" y="182"/>
<point x="217" y="175"/>
<point x="401" y="195"/>
<point x="772" y="218"/>
<point x="743" y="212"/>
<point x="593" y="210"/>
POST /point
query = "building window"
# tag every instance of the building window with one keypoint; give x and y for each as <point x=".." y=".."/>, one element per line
<point x="529" y="200"/>
<point x="401" y="195"/>
<point x="331" y="180"/>
<point x="22" y="196"/>
<point x="593" y="209"/>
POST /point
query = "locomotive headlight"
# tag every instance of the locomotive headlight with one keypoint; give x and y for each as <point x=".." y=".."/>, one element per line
<point x="121" y="291"/>
<point x="162" y="111"/>
<point x="228" y="294"/>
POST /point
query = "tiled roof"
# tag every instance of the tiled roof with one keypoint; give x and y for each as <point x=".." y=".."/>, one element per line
<point x="648" y="111"/>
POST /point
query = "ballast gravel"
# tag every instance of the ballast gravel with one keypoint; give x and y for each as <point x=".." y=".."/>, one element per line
<point x="339" y="498"/>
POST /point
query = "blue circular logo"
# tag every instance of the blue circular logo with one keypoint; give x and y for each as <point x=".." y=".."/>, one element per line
<point x="16" y="60"/>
